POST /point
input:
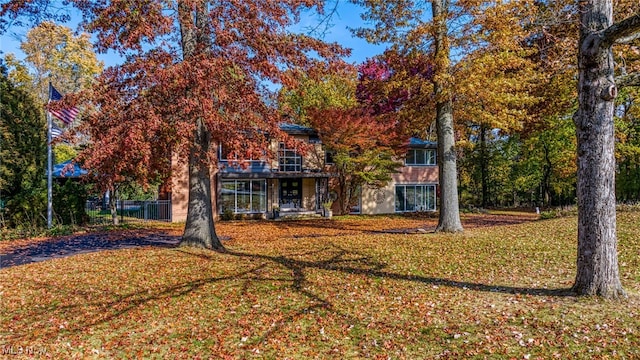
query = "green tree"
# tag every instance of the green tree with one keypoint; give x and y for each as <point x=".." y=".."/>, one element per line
<point x="628" y="146"/>
<point x="64" y="152"/>
<point x="22" y="155"/>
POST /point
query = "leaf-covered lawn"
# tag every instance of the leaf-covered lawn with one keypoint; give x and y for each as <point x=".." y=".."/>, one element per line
<point x="330" y="289"/>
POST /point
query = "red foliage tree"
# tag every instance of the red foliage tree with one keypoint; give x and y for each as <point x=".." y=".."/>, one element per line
<point x="364" y="147"/>
<point x="195" y="76"/>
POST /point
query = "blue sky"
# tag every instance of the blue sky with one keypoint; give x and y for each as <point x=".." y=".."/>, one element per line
<point x="348" y="15"/>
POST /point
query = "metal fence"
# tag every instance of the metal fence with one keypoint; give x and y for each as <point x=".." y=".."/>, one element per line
<point x="130" y="211"/>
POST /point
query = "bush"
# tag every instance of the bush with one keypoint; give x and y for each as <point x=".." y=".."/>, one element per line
<point x="552" y="214"/>
<point x="227" y="215"/>
<point x="69" y="200"/>
<point x="559" y="212"/>
<point x="27" y="209"/>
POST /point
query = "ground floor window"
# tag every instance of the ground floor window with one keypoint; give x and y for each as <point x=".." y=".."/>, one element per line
<point x="244" y="196"/>
<point x="415" y="198"/>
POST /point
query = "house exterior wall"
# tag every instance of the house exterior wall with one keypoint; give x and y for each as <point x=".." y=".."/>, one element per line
<point x="311" y="173"/>
<point x="382" y="200"/>
<point x="309" y="193"/>
<point x="378" y="201"/>
<point x="179" y="189"/>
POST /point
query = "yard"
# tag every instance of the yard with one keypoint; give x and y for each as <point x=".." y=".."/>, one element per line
<point x="343" y="288"/>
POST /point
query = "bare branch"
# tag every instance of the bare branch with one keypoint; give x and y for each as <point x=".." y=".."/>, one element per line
<point x="628" y="28"/>
<point x="628" y="80"/>
<point x="628" y="39"/>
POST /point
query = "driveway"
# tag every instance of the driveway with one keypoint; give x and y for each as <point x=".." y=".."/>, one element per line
<point x="40" y="250"/>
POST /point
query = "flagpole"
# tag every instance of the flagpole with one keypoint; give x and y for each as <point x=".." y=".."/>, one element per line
<point x="49" y="169"/>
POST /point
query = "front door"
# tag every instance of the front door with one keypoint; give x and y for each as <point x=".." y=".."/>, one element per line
<point x="290" y="193"/>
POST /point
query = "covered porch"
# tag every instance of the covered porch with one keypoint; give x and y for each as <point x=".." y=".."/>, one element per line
<point x="274" y="194"/>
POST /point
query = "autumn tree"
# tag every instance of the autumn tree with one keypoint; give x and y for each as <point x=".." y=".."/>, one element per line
<point x="597" y="263"/>
<point x="424" y="26"/>
<point x="363" y="147"/>
<point x="196" y="75"/>
<point x="54" y="54"/>
<point x="498" y="86"/>
<point x="331" y="91"/>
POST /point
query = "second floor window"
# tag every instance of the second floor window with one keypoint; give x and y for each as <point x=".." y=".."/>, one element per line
<point x="289" y="159"/>
<point x="421" y="157"/>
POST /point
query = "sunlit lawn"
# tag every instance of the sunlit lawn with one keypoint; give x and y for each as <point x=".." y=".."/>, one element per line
<point x="330" y="289"/>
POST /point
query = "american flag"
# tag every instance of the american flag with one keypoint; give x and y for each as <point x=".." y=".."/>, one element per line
<point x="55" y="131"/>
<point x="65" y="115"/>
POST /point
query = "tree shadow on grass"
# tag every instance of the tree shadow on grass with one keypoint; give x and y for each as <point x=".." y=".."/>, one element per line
<point x="365" y="265"/>
<point x="352" y="262"/>
<point x="294" y="267"/>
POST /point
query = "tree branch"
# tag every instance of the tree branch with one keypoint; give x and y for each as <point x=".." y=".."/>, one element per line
<point x="628" y="80"/>
<point x="628" y="39"/>
<point x="627" y="29"/>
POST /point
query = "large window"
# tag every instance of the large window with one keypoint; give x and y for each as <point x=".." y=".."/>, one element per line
<point x="289" y="159"/>
<point x="421" y="157"/>
<point x="415" y="198"/>
<point x="244" y="196"/>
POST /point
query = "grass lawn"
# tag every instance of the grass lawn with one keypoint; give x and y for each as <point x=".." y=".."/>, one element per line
<point x="330" y="289"/>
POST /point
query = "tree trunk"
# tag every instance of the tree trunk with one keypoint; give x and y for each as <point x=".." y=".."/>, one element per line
<point x="546" y="177"/>
<point x="342" y="194"/>
<point x="484" y="160"/>
<point x="113" y="206"/>
<point x="597" y="263"/>
<point x="199" y="230"/>
<point x="449" y="220"/>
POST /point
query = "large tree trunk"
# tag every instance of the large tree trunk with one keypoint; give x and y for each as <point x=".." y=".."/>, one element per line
<point x="199" y="230"/>
<point x="449" y="220"/>
<point x="597" y="272"/>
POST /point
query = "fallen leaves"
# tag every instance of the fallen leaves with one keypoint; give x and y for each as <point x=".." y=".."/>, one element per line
<point x="347" y="293"/>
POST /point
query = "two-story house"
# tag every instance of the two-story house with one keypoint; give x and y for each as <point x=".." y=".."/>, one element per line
<point x="412" y="189"/>
<point x="298" y="182"/>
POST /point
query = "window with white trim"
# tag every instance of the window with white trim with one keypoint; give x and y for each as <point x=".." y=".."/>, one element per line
<point x="419" y="197"/>
<point x="244" y="196"/>
<point x="420" y="157"/>
<point x="289" y="159"/>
